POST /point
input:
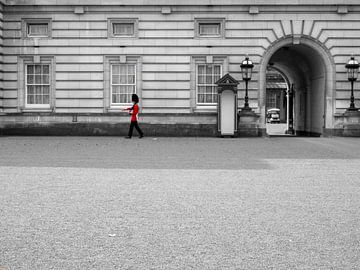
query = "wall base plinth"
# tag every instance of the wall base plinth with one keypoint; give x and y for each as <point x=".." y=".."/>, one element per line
<point x="249" y="124"/>
<point x="347" y="124"/>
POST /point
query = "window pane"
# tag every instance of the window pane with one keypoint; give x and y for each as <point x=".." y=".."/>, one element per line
<point x="208" y="98"/>
<point x="201" y="98"/>
<point x="30" y="69"/>
<point x="38" y="99"/>
<point x="217" y="70"/>
<point x="131" y="79"/>
<point x="122" y="79"/>
<point x="30" y="79"/>
<point x="124" y="29"/>
<point x="131" y="69"/>
<point x="215" y="98"/>
<point x="201" y="79"/>
<point x="116" y="89"/>
<point x="45" y="79"/>
<point x="37" y="79"/>
<point x="123" y="69"/>
<point x="114" y="98"/>
<point x="201" y="69"/>
<point x="38" y="29"/>
<point x="115" y="94"/>
<point x="115" y="69"/>
<point x="131" y="90"/>
<point x="30" y="99"/>
<point x="37" y="69"/>
<point x="116" y="79"/>
<point x="209" y="29"/>
<point x="38" y="90"/>
<point x="46" y="90"/>
<point x="201" y="89"/>
<point x="30" y="90"/>
<point x="45" y="69"/>
<point x="46" y="99"/>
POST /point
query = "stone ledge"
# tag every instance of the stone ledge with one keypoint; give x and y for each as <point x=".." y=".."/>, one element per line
<point x="176" y="2"/>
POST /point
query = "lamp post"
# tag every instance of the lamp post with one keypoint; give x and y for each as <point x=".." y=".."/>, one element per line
<point x="352" y="70"/>
<point x="246" y="71"/>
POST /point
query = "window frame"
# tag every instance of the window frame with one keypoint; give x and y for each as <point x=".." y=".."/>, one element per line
<point x="26" y="22"/>
<point x="112" y="21"/>
<point x="112" y="104"/>
<point x="218" y="27"/>
<point x="195" y="61"/>
<point x="110" y="60"/>
<point x="205" y="85"/>
<point x="38" y="105"/>
<point x="219" y="21"/>
<point x="23" y="61"/>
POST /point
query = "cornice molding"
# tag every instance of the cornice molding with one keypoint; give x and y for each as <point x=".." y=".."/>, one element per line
<point x="180" y="2"/>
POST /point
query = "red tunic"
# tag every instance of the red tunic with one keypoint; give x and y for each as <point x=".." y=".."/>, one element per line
<point x="134" y="111"/>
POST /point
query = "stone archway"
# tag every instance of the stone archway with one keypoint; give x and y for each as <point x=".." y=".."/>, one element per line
<point x="310" y="68"/>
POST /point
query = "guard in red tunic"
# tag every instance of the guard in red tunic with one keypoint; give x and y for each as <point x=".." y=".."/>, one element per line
<point x="133" y="111"/>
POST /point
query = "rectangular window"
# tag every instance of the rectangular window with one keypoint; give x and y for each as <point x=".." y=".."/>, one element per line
<point x="206" y="77"/>
<point x="123" y="29"/>
<point x="37" y="29"/>
<point x="209" y="29"/>
<point x="118" y="28"/>
<point x="123" y="83"/>
<point x="37" y="85"/>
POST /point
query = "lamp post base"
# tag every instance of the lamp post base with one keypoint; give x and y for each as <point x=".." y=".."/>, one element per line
<point x="352" y="109"/>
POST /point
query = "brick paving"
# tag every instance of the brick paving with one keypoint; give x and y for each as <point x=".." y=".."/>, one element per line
<point x="179" y="203"/>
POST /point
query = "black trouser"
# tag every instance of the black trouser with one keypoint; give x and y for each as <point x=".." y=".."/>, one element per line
<point x="132" y="125"/>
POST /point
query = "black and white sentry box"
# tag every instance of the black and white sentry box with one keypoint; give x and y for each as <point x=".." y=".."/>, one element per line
<point x="227" y="105"/>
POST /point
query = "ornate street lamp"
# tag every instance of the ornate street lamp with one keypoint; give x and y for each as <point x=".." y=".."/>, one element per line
<point x="352" y="70"/>
<point x="246" y="71"/>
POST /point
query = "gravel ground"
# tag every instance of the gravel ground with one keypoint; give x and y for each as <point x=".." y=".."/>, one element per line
<point x="179" y="203"/>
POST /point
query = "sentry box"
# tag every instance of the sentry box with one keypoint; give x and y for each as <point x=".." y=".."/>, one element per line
<point x="227" y="105"/>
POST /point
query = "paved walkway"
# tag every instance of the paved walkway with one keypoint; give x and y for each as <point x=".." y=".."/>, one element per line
<point x="179" y="203"/>
<point x="276" y="129"/>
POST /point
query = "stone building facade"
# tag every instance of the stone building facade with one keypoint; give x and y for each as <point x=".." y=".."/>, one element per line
<point x="70" y="66"/>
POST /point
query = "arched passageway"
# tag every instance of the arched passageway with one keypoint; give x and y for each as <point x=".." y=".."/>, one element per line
<point x="309" y="71"/>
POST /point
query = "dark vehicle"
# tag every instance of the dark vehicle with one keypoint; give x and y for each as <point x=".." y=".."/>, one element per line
<point x="273" y="115"/>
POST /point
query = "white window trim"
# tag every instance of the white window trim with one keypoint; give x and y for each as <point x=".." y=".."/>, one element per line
<point x="197" y="84"/>
<point x="199" y="21"/>
<point x="113" y="60"/>
<point x="195" y="61"/>
<point x="25" y="24"/>
<point x="22" y="86"/>
<point x="133" y="21"/>
<point x="111" y="85"/>
<point x="40" y="106"/>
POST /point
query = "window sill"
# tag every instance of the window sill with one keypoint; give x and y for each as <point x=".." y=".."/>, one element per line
<point x="117" y="109"/>
<point x="200" y="109"/>
<point x="30" y="110"/>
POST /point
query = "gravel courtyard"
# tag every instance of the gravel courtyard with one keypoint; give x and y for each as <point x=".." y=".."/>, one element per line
<point x="179" y="203"/>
